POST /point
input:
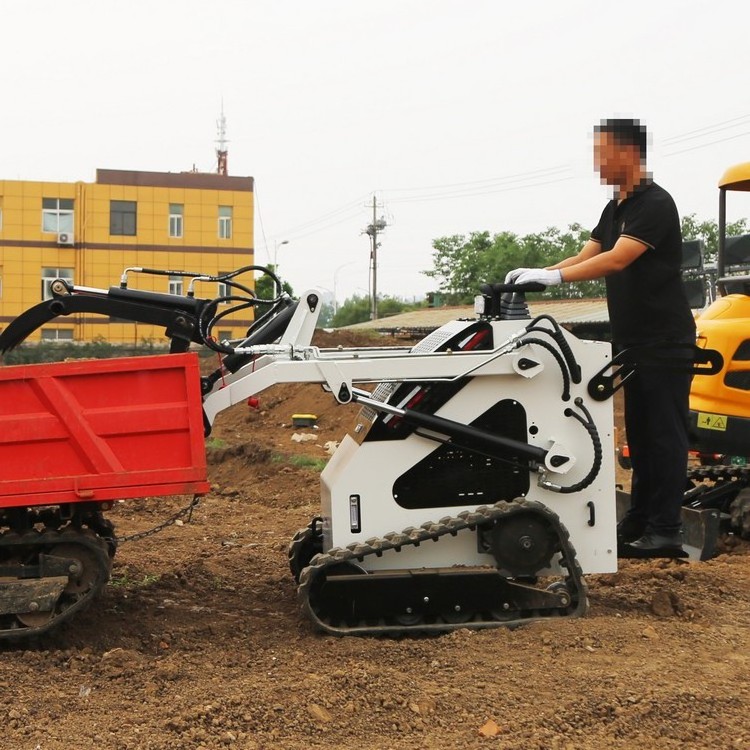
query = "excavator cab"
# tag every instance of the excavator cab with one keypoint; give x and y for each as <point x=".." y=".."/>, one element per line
<point x="720" y="406"/>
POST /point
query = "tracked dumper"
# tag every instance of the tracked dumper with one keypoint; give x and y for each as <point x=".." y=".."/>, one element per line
<point x="476" y="490"/>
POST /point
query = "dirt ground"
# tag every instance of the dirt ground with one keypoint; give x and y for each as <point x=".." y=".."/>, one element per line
<point x="198" y="641"/>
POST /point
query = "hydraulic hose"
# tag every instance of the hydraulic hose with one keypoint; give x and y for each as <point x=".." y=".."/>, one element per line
<point x="559" y="337"/>
<point x="590" y="427"/>
<point x="558" y="358"/>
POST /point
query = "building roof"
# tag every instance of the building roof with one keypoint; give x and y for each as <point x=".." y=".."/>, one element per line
<point x="564" y="311"/>
<point x="197" y="180"/>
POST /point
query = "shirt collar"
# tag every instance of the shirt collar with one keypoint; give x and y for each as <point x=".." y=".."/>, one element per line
<point x="645" y="183"/>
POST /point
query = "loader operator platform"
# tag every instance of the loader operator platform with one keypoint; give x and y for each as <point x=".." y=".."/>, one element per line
<point x="637" y="247"/>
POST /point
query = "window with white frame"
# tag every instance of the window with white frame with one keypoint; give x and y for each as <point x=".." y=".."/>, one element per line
<point x="225" y="335"/>
<point x="57" y="334"/>
<point x="175" y="285"/>
<point x="225" y="222"/>
<point x="57" y="215"/>
<point x="49" y="275"/>
<point x="176" y="211"/>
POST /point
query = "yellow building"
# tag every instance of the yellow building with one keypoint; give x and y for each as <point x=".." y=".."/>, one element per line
<point x="90" y="232"/>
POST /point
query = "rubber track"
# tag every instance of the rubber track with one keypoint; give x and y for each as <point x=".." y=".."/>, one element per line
<point x="433" y="532"/>
<point x="44" y="541"/>
<point x="721" y="473"/>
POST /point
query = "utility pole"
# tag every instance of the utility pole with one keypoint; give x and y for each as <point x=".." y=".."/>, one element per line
<point x="378" y="225"/>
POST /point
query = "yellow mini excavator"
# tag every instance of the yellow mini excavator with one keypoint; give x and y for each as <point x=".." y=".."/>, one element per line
<point x="720" y="406"/>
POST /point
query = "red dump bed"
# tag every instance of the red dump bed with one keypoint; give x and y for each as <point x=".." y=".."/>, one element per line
<point x="101" y="430"/>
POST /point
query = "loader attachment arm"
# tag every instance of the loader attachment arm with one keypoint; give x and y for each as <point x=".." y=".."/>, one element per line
<point x="665" y="356"/>
<point x="179" y="315"/>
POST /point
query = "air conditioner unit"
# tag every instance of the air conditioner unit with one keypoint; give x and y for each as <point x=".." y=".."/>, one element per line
<point x="65" y="238"/>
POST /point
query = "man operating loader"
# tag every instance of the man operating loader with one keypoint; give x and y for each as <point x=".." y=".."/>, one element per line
<point x="637" y="247"/>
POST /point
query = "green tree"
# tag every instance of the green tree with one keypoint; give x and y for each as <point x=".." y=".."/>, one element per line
<point x="356" y="309"/>
<point x="353" y="310"/>
<point x="265" y="288"/>
<point x="325" y="318"/>
<point x="461" y="264"/>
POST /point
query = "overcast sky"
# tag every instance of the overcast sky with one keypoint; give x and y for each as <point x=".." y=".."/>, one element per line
<point x="459" y="115"/>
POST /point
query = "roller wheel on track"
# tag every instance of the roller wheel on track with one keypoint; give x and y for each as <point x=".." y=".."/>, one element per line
<point x="740" y="513"/>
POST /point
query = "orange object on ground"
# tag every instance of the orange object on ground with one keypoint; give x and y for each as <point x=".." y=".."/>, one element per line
<point x="100" y="430"/>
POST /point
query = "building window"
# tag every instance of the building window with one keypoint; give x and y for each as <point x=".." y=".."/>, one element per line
<point x="225" y="335"/>
<point x="175" y="285"/>
<point x="57" y="334"/>
<point x="122" y="218"/>
<point x="57" y="215"/>
<point x="224" y="289"/>
<point x="175" y="219"/>
<point x="49" y="275"/>
<point x="225" y="222"/>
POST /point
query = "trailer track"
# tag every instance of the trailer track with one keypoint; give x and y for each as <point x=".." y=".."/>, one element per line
<point x="48" y="575"/>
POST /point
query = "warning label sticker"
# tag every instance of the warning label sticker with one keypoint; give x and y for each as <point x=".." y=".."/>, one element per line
<point x="712" y="421"/>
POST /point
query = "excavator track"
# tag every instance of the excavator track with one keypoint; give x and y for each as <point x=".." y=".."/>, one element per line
<point x="726" y="487"/>
<point x="342" y="598"/>
<point x="721" y="473"/>
<point x="48" y="576"/>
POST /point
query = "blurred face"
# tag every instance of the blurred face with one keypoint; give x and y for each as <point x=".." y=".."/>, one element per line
<point x="615" y="162"/>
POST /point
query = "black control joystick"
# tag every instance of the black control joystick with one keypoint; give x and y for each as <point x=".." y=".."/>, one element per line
<point x="506" y="301"/>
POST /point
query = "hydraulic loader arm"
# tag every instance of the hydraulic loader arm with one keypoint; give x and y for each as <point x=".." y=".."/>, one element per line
<point x="179" y="315"/>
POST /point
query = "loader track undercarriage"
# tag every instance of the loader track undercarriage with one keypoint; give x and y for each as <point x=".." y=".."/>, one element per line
<point x="342" y="598"/>
<point x="50" y="568"/>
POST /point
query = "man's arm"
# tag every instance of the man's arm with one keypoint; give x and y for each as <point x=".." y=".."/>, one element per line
<point x="625" y="251"/>
<point x="589" y="264"/>
<point x="591" y="249"/>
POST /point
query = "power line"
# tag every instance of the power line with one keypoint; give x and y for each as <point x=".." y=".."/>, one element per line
<point x="471" y="188"/>
<point x="707" y="130"/>
<point x="705" y="145"/>
<point x="493" y="185"/>
<point x="350" y="217"/>
<point x="323" y="217"/>
<point x="487" y="180"/>
<point x="260" y="218"/>
<point x="472" y="194"/>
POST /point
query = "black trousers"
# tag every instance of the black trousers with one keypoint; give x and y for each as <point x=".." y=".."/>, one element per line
<point x="656" y="423"/>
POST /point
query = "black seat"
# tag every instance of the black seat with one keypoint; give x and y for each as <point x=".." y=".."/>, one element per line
<point x="695" y="289"/>
<point x="692" y="255"/>
<point x="736" y="266"/>
<point x="693" y="273"/>
<point x="737" y="251"/>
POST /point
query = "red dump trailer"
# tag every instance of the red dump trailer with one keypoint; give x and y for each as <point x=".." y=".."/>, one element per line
<point x="75" y="436"/>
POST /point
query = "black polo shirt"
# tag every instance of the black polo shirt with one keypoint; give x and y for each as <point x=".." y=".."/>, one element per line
<point x="646" y="300"/>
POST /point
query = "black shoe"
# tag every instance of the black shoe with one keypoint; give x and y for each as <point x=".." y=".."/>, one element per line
<point x="651" y="545"/>
<point x="630" y="529"/>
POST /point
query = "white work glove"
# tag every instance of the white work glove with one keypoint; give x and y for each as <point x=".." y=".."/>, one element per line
<point x="540" y="276"/>
<point x="511" y="276"/>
